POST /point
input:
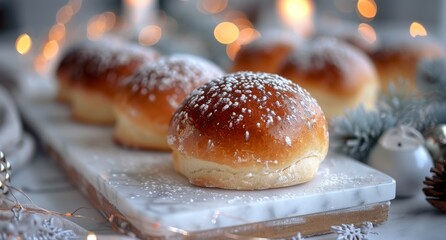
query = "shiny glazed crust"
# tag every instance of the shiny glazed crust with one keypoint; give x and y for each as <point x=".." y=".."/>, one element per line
<point x="248" y="131"/>
<point x="339" y="76"/>
<point x="99" y="70"/>
<point x="145" y="106"/>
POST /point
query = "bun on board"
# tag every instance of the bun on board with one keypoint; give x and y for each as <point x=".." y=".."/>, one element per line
<point x="336" y="74"/>
<point x="145" y="106"/>
<point x="248" y="131"/>
<point x="396" y="58"/>
<point x="91" y="74"/>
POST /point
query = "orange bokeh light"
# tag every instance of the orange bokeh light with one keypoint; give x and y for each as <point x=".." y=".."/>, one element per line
<point x="367" y="8"/>
<point x="57" y="32"/>
<point x="293" y="11"/>
<point x="150" y="35"/>
<point x="417" y="29"/>
<point x="96" y="27"/>
<point x="50" y="49"/>
<point x="64" y="14"/>
<point x="232" y="50"/>
<point x="226" y="32"/>
<point x="247" y="35"/>
<point x="213" y="6"/>
<point x="23" y="43"/>
<point x="297" y="15"/>
<point x="40" y="64"/>
<point x="367" y="32"/>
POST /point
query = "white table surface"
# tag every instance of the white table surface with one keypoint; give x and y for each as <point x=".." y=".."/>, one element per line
<point x="410" y="218"/>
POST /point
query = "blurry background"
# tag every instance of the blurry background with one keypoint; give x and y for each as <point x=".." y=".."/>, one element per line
<point x="213" y="28"/>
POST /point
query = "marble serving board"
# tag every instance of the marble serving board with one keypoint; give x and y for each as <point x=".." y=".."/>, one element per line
<point x="144" y="187"/>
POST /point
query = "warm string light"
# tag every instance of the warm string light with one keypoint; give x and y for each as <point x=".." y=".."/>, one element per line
<point x="23" y="44"/>
<point x="40" y="64"/>
<point x="212" y="6"/>
<point x="150" y="35"/>
<point x="64" y="14"/>
<point x="232" y="50"/>
<point x="50" y="49"/>
<point x="417" y="30"/>
<point x="99" y="24"/>
<point x="56" y="36"/>
<point x="226" y="32"/>
<point x="57" y="32"/>
<point x="367" y="32"/>
<point x="367" y="8"/>
<point x="236" y="30"/>
<point x="75" y="5"/>
<point x="297" y="15"/>
<point x="292" y="11"/>
<point x="91" y="236"/>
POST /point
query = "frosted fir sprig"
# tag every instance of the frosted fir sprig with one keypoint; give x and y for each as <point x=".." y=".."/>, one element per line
<point x="431" y="78"/>
<point x="358" y="131"/>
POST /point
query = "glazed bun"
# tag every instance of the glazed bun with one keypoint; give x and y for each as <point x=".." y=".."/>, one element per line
<point x="347" y="33"/>
<point x="248" y="131"/>
<point x="98" y="76"/>
<point x="69" y="68"/>
<point x="266" y="54"/>
<point x="145" y="106"/>
<point x="338" y="75"/>
<point x="397" y="58"/>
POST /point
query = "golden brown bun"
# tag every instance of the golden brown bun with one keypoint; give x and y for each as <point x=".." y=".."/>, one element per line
<point x="68" y="68"/>
<point x="264" y="55"/>
<point x="397" y="58"/>
<point x="348" y="35"/>
<point x="144" y="108"/>
<point x="338" y="75"/>
<point x="97" y="74"/>
<point x="248" y="131"/>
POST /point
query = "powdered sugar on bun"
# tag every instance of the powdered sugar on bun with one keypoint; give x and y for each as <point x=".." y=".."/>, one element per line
<point x="258" y="121"/>
<point x="152" y="95"/>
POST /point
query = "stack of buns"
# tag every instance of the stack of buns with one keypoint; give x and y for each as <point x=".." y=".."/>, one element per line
<point x="237" y="131"/>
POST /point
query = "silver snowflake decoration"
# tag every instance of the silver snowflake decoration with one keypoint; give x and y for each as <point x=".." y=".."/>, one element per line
<point x="32" y="227"/>
<point x="350" y="232"/>
<point x="48" y="230"/>
<point x="406" y="107"/>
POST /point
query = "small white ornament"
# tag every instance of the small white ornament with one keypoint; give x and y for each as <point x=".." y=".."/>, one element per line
<point x="400" y="153"/>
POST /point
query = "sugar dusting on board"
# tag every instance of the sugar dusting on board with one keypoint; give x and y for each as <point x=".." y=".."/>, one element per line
<point x="162" y="186"/>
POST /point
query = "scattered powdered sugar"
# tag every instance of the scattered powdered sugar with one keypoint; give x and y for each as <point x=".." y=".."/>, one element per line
<point x="183" y="73"/>
<point x="247" y="136"/>
<point x="288" y="140"/>
<point x="105" y="57"/>
<point x="326" y="52"/>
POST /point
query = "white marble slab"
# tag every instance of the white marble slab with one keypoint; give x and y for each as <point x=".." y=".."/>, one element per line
<point x="144" y="187"/>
